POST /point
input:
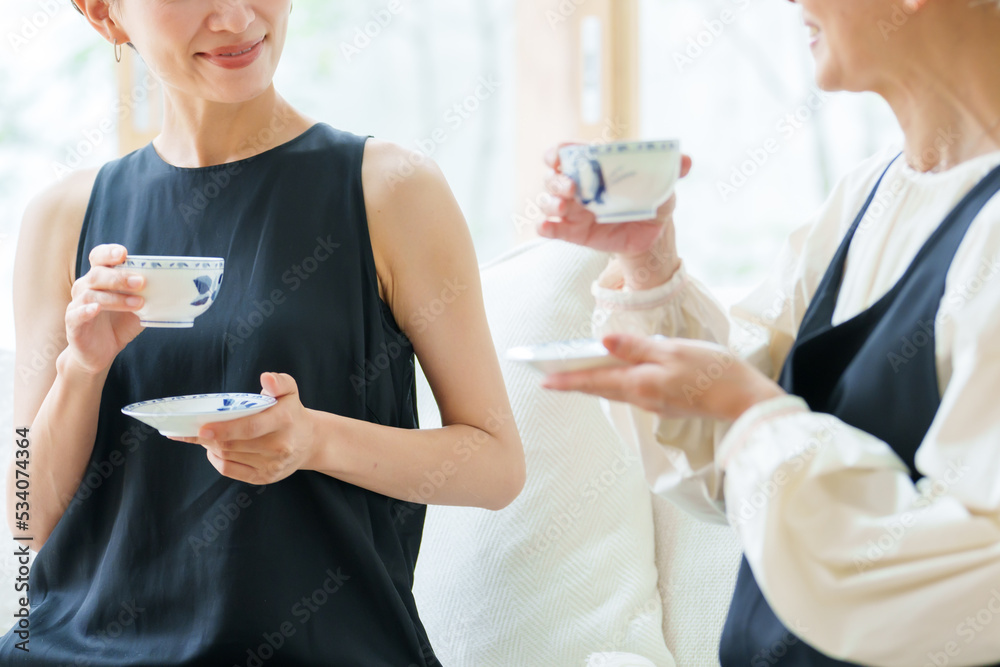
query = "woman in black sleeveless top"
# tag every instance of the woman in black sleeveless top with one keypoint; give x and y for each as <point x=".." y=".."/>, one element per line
<point x="850" y="432"/>
<point x="288" y="537"/>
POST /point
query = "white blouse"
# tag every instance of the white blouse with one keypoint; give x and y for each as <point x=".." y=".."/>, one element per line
<point x="851" y="555"/>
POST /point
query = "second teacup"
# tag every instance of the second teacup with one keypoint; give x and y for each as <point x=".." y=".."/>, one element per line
<point x="623" y="181"/>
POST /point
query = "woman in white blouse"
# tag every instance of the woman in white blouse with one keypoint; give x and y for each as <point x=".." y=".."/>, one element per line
<point x="846" y="419"/>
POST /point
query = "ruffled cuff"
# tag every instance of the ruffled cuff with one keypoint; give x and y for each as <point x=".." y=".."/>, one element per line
<point x="743" y="428"/>
<point x="611" y="292"/>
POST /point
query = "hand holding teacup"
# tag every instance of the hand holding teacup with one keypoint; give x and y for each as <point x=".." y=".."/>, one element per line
<point x="100" y="318"/>
<point x="645" y="248"/>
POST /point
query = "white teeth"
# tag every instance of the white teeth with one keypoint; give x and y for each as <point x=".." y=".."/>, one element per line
<point x="813" y="30"/>
<point x="239" y="53"/>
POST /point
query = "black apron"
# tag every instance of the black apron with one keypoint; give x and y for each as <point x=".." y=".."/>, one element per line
<point x="877" y="372"/>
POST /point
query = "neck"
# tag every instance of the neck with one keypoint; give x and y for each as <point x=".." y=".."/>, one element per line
<point x="201" y="133"/>
<point x="947" y="96"/>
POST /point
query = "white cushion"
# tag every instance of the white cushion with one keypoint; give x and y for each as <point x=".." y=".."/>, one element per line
<point x="698" y="562"/>
<point x="568" y="569"/>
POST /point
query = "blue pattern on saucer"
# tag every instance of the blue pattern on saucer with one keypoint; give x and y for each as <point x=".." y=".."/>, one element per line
<point x="229" y="403"/>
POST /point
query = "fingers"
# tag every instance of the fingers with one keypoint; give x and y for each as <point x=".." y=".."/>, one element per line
<point x="278" y="384"/>
<point x="243" y="429"/>
<point x="641" y="386"/>
<point x="560" y="186"/>
<point x="234" y="469"/>
<point x="636" y="349"/>
<point x="109" y="254"/>
<point x="686" y="163"/>
<point x="567" y="211"/>
<point x="552" y="154"/>
<point x="79" y="315"/>
<point x="603" y="382"/>
<point x="111" y="301"/>
<point x="101" y="278"/>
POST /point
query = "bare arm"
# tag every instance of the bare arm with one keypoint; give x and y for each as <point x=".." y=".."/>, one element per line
<point x="429" y="277"/>
<point x="57" y="387"/>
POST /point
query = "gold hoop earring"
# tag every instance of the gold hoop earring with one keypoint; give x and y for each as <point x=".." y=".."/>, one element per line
<point x="118" y="52"/>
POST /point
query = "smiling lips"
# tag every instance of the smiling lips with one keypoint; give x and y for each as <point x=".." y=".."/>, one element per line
<point x="236" y="56"/>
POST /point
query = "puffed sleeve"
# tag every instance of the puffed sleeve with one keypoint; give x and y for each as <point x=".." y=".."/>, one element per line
<point x="844" y="546"/>
<point x="679" y="455"/>
<point x="867" y="566"/>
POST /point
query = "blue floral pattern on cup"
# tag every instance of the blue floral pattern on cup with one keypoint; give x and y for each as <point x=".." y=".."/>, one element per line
<point x="229" y="402"/>
<point x="207" y="288"/>
<point x="149" y="262"/>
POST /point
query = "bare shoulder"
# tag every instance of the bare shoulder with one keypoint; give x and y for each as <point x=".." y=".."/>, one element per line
<point x="413" y="217"/>
<point x="53" y="220"/>
<point x="391" y="173"/>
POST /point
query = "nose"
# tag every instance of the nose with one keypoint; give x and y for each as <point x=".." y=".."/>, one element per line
<point x="233" y="16"/>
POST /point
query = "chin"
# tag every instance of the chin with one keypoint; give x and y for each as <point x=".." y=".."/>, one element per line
<point x="829" y="77"/>
<point x="231" y="92"/>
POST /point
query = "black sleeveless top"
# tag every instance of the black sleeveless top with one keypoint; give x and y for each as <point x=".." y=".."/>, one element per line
<point x="159" y="559"/>
<point x="857" y="372"/>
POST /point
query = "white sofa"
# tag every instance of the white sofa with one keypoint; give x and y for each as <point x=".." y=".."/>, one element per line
<point x="485" y="596"/>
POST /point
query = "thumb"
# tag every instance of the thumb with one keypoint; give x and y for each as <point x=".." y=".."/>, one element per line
<point x="633" y="349"/>
<point x="277" y="384"/>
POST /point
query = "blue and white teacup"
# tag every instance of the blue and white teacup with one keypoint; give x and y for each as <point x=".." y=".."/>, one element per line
<point x="178" y="289"/>
<point x="623" y="181"/>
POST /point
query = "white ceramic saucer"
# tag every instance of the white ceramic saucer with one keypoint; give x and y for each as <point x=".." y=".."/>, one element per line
<point x="183" y="416"/>
<point x="565" y="356"/>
